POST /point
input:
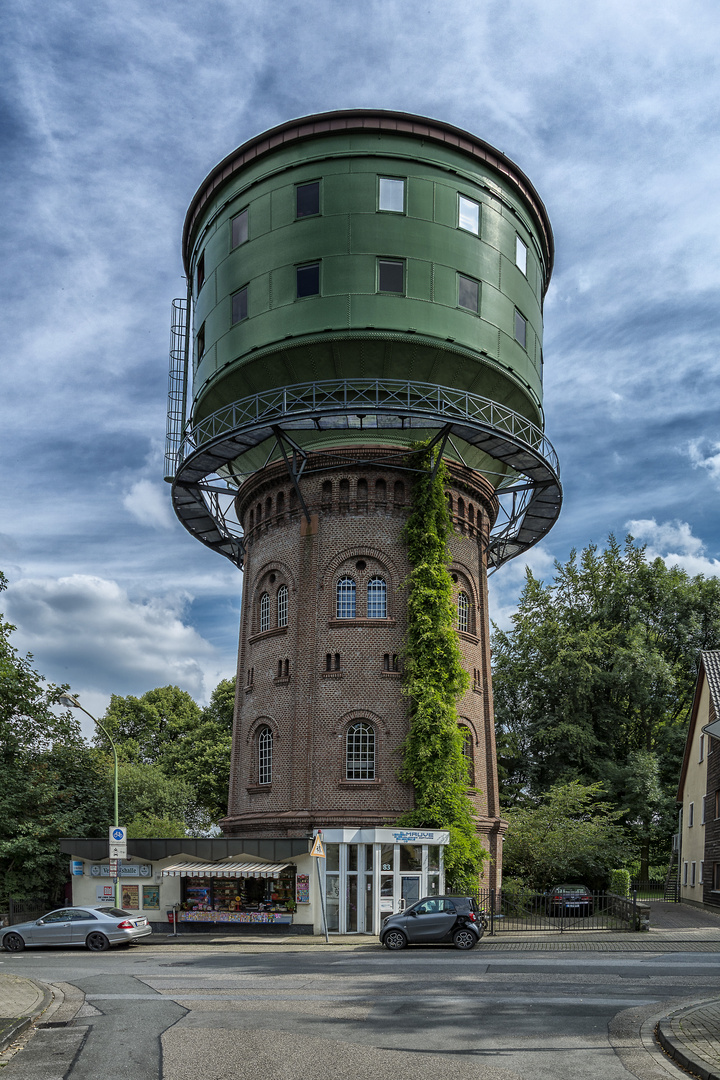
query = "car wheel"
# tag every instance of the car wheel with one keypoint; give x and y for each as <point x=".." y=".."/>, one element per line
<point x="395" y="940"/>
<point x="464" y="939"/>
<point x="13" y="943"/>
<point x="97" y="942"/>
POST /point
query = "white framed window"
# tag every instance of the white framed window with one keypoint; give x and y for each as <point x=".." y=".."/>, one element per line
<point x="685" y="873"/>
<point x="264" y="612"/>
<point x="520" y="329"/>
<point x="391" y="195"/>
<point x="521" y="254"/>
<point x="691" y="815"/>
<point x="345" y="598"/>
<point x="282" y="606"/>
<point x="692" y="874"/>
<point x="360" y="752"/>
<point x="265" y="755"/>
<point x="463" y="612"/>
<point x="377" y="599"/>
<point x="468" y="215"/>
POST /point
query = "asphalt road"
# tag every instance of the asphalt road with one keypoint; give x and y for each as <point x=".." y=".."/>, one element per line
<point x="193" y="1013"/>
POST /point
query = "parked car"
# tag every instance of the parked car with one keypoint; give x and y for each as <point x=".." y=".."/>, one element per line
<point x="570" y="900"/>
<point x="435" y="919"/>
<point x="97" y="928"/>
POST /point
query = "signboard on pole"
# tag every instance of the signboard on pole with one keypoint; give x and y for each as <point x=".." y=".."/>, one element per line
<point x="118" y="842"/>
<point x="317" y="849"/>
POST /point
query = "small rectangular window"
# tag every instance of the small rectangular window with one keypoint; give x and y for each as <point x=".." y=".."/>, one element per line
<point x="520" y="329"/>
<point x="391" y="275"/>
<point x="201" y="341"/>
<point x="692" y="874"/>
<point x="391" y="195"/>
<point x="716" y="877"/>
<point x="702" y="821"/>
<point x="717" y="804"/>
<point x="702" y="748"/>
<point x="200" y="272"/>
<point x="691" y="815"/>
<point x="307" y="199"/>
<point x="521" y="254"/>
<point x="240" y="228"/>
<point x="701" y="879"/>
<point x="468" y="293"/>
<point x="468" y="215"/>
<point x="308" y="280"/>
<point x="685" y="874"/>
<point x="240" y="305"/>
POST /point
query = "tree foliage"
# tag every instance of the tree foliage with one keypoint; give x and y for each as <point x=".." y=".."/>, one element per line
<point x="595" y="681"/>
<point x="571" y="835"/>
<point x="433" y="759"/>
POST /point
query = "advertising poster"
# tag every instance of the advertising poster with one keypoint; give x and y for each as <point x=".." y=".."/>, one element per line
<point x="151" y="897"/>
<point x="130" y="896"/>
<point x="302" y="889"/>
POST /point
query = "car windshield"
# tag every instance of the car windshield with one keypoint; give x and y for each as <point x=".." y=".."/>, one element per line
<point x="114" y="912"/>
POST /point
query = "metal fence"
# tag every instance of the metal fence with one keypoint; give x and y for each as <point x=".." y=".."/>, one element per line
<point x="20" y="911"/>
<point x="524" y="910"/>
<point x="657" y="889"/>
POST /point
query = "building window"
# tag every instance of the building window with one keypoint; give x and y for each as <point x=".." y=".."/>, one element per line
<point x="391" y="195"/>
<point x="692" y="874"/>
<point x="264" y="612"/>
<point x="307" y="199"/>
<point x="520" y="329"/>
<point x="468" y="215"/>
<point x="391" y="275"/>
<point x="468" y="754"/>
<point x="308" y="280"/>
<point x="240" y="305"/>
<point x="716" y="877"/>
<point x="282" y="606"/>
<point x="701" y="879"/>
<point x="691" y="815"/>
<point x="239" y="228"/>
<point x="360" y="752"/>
<point x="346" y="598"/>
<point x="521" y="254"/>
<point x="685" y="873"/>
<point x="468" y="294"/>
<point x="201" y="341"/>
<point x="463" y="612"/>
<point x="702" y="820"/>
<point x="702" y="748"/>
<point x="265" y="755"/>
<point x="377" y="599"/>
<point x="717" y="805"/>
<point x="200" y="272"/>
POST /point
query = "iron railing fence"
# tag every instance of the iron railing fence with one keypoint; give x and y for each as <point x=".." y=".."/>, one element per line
<point x="513" y="910"/>
<point x="21" y="911"/>
<point x="656" y="889"/>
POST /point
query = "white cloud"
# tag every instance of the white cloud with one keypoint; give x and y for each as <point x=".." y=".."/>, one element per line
<point x="506" y="584"/>
<point x="711" y="461"/>
<point x="674" y="543"/>
<point x="88" y="632"/>
<point x="149" y="503"/>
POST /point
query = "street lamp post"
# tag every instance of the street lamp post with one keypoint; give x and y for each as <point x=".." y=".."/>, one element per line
<point x="73" y="703"/>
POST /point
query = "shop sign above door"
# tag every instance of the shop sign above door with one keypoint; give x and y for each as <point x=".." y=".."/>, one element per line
<point x="131" y="870"/>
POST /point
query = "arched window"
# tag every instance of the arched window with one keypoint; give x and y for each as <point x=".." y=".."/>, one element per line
<point x="281" y="503"/>
<point x="282" y="606"/>
<point x="268" y="507"/>
<point x="463" y="612"/>
<point x="377" y="599"/>
<point x="345" y="598"/>
<point x="327" y="494"/>
<point x="344" y="494"/>
<point x="362" y="494"/>
<point x="264" y="612"/>
<point x="450" y="503"/>
<point x="265" y="755"/>
<point x="468" y="754"/>
<point x="471" y="514"/>
<point x="252" y="520"/>
<point x="360" y="752"/>
<point x="461" y="508"/>
<point x="380" y="492"/>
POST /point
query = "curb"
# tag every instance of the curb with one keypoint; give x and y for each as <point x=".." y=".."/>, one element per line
<point x="673" y="1050"/>
<point x="22" y="1023"/>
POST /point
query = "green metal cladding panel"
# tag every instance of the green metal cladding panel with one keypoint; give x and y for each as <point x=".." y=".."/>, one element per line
<point x="351" y="329"/>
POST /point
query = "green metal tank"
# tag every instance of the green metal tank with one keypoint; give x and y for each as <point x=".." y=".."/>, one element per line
<point x="367" y="277"/>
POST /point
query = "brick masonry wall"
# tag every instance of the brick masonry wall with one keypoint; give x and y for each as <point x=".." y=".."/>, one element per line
<point x="357" y="514"/>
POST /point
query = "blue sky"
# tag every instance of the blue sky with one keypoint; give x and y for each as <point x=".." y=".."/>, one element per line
<point x="113" y="113"/>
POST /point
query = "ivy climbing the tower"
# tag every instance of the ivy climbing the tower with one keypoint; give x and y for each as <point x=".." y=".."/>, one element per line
<point x="433" y="758"/>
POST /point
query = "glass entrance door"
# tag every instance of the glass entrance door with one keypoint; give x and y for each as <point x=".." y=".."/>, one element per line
<point x="409" y="890"/>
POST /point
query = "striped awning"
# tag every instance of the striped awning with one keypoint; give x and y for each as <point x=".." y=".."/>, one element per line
<point x="224" y="870"/>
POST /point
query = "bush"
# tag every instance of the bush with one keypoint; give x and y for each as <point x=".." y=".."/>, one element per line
<point x="619" y="882"/>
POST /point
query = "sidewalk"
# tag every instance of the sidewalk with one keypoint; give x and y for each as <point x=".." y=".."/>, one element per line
<point x="21" y="1000"/>
<point x="691" y="1036"/>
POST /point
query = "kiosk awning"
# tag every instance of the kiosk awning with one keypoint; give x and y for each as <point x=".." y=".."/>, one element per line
<point x="224" y="870"/>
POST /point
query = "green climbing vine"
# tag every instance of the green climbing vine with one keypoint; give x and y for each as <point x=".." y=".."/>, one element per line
<point x="433" y="759"/>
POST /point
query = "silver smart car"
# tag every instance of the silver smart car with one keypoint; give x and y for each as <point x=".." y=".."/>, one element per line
<point x="97" y="928"/>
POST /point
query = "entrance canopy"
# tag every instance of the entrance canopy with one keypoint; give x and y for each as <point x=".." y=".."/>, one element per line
<point x="224" y="870"/>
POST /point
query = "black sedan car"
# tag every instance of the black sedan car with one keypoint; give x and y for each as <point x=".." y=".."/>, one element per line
<point x="570" y="900"/>
<point x="435" y="919"/>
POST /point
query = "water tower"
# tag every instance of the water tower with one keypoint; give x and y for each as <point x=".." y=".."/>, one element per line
<point x="358" y="281"/>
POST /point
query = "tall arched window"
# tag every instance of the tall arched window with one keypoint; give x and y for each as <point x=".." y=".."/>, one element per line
<point x="282" y="606"/>
<point x="377" y="599"/>
<point x="264" y="612"/>
<point x="345" y="608"/>
<point x="463" y="612"/>
<point x="265" y="755"/>
<point x="468" y="754"/>
<point x="360" y="752"/>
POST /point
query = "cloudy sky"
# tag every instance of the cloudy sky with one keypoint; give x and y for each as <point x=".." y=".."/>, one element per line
<point x="113" y="113"/>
